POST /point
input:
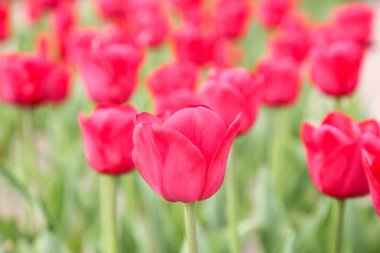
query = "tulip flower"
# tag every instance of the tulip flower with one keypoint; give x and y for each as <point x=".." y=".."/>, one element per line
<point x="193" y="44"/>
<point x="273" y="12"/>
<point x="335" y="67"/>
<point x="182" y="155"/>
<point x="355" y="20"/>
<point x="173" y="86"/>
<point x="281" y="80"/>
<point x="30" y="80"/>
<point x="372" y="167"/>
<point x="4" y="21"/>
<point x="107" y="138"/>
<point x="109" y="69"/>
<point x="231" y="18"/>
<point x="230" y="92"/>
<point x="114" y="9"/>
<point x="334" y="152"/>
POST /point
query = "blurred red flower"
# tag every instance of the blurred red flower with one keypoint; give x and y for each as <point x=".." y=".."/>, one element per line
<point x="30" y="80"/>
<point x="182" y="155"/>
<point x="334" y="154"/>
<point x="272" y="12"/>
<point x="231" y="92"/>
<point x="371" y="165"/>
<point x="107" y="138"/>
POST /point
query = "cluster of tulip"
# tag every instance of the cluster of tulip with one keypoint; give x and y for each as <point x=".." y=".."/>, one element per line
<point x="181" y="147"/>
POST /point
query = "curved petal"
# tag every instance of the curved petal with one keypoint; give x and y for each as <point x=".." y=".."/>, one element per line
<point x="202" y="126"/>
<point x="217" y="168"/>
<point x="370" y="126"/>
<point x="169" y="162"/>
<point x="330" y="138"/>
<point x="342" y="122"/>
<point x="372" y="170"/>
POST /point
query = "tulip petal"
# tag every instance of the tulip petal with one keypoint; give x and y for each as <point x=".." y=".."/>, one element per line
<point x="372" y="170"/>
<point x="330" y="138"/>
<point x="370" y="126"/>
<point x="203" y="127"/>
<point x="172" y="165"/>
<point x="217" y="168"/>
<point x="342" y="122"/>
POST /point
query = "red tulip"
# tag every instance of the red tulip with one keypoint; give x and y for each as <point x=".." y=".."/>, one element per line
<point x="107" y="138"/>
<point x="231" y="18"/>
<point x="293" y="40"/>
<point x="372" y="169"/>
<point x="196" y="45"/>
<point x="281" y="80"/>
<point x="182" y="155"/>
<point x="110" y="70"/>
<point x="29" y="80"/>
<point x="273" y="12"/>
<point x="4" y="21"/>
<point x="335" y="67"/>
<point x="114" y="9"/>
<point x="355" y="20"/>
<point x="334" y="154"/>
<point x="230" y="92"/>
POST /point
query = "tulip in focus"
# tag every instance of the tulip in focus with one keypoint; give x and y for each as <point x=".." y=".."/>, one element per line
<point x="182" y="155"/>
<point x="335" y="67"/>
<point x="334" y="154"/>
<point x="109" y="69"/>
<point x="281" y="80"/>
<point x="231" y="92"/>
<point x="30" y="80"/>
<point x="107" y="138"/>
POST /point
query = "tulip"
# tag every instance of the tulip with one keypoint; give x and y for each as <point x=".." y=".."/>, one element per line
<point x="182" y="155"/>
<point x="281" y="80"/>
<point x="173" y="86"/>
<point x="107" y="138"/>
<point x="30" y="80"/>
<point x="334" y="152"/>
<point x="4" y="21"/>
<point x="372" y="167"/>
<point x="193" y="44"/>
<point x="109" y="69"/>
<point x="114" y="9"/>
<point x="273" y="12"/>
<point x="293" y="40"/>
<point x="355" y="20"/>
<point x="335" y="67"/>
<point x="231" y="18"/>
<point x="230" y="92"/>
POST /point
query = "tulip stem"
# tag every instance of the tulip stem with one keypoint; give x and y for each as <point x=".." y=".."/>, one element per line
<point x="231" y="203"/>
<point x="339" y="227"/>
<point x="191" y="233"/>
<point x="108" y="213"/>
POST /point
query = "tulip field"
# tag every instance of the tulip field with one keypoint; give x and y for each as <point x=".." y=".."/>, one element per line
<point x="189" y="126"/>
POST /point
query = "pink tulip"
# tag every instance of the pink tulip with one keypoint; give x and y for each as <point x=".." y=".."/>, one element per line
<point x="107" y="138"/>
<point x="273" y="12"/>
<point x="182" y="155"/>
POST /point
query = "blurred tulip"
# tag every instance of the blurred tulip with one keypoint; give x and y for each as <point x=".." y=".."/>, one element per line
<point x="231" y="92"/>
<point x="109" y="69"/>
<point x="114" y="9"/>
<point x="281" y="80"/>
<point x="372" y="168"/>
<point x="30" y="80"/>
<point x="335" y="67"/>
<point x="355" y="20"/>
<point x="231" y="18"/>
<point x="107" y="138"/>
<point x="292" y="40"/>
<point x="195" y="45"/>
<point x="37" y="7"/>
<point x="334" y="154"/>
<point x="182" y="155"/>
<point x="173" y="86"/>
<point x="272" y="12"/>
<point x="4" y="20"/>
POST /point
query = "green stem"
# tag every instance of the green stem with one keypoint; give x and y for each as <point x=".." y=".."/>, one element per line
<point x="191" y="232"/>
<point x="234" y="241"/>
<point x="108" y="214"/>
<point x="339" y="227"/>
